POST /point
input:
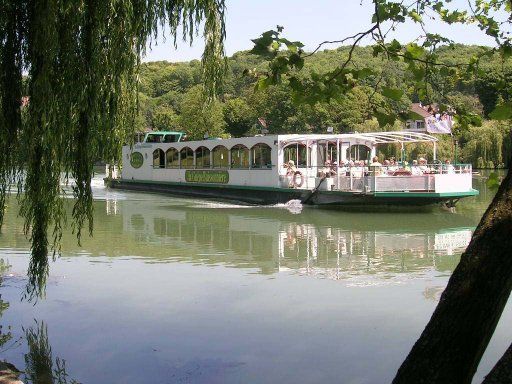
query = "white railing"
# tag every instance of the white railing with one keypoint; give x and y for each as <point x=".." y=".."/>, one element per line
<point x="374" y="179"/>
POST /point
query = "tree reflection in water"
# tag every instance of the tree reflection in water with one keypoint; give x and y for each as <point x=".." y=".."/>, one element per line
<point x="5" y="337"/>
<point x="39" y="365"/>
<point x="40" y="368"/>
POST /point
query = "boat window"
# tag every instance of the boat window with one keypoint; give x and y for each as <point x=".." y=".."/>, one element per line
<point x="220" y="157"/>
<point x="326" y="151"/>
<point x="299" y="153"/>
<point x="202" y="157"/>
<point x="154" y="138"/>
<point x="158" y="158"/>
<point x="358" y="152"/>
<point x="332" y="151"/>
<point x="170" y="139"/>
<point x="261" y="156"/>
<point x="187" y="158"/>
<point x="172" y="158"/>
<point x="239" y="156"/>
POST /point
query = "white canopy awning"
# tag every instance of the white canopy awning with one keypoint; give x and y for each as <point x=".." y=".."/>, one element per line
<point x="374" y="138"/>
<point x="395" y="137"/>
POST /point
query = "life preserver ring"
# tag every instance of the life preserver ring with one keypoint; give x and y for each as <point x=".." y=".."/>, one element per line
<point x="298" y="179"/>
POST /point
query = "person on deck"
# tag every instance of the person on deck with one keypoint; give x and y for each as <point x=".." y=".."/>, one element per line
<point x="290" y="172"/>
<point x="376" y="166"/>
<point x="326" y="171"/>
<point x="415" y="169"/>
<point x="343" y="168"/>
<point x="423" y="165"/>
<point x="448" y="167"/>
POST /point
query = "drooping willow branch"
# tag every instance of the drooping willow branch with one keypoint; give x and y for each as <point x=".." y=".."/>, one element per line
<point x="81" y="61"/>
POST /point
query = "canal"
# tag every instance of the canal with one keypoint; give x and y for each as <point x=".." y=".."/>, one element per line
<point x="173" y="290"/>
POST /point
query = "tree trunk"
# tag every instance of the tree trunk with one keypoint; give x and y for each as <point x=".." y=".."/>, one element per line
<point x="454" y="340"/>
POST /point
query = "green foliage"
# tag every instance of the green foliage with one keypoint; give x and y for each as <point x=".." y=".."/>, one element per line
<point x="239" y="117"/>
<point x="82" y="59"/>
<point x="163" y="118"/>
<point x="486" y="146"/>
<point x="493" y="181"/>
<point x="198" y="118"/>
<point x="359" y="110"/>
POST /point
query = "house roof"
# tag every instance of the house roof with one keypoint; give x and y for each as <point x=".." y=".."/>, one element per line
<point x="420" y="110"/>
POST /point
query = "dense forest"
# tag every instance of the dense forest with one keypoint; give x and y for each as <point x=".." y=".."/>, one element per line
<point x="171" y="98"/>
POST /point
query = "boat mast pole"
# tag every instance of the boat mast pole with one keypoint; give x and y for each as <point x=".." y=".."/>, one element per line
<point x="338" y="151"/>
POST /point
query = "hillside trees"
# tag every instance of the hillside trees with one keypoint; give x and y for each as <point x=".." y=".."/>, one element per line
<point x="198" y="118"/>
<point x="348" y="112"/>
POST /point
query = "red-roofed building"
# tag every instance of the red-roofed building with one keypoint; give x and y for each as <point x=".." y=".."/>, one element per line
<point x="419" y="114"/>
<point x="428" y="118"/>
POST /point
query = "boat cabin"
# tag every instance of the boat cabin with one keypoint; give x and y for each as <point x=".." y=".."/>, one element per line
<point x="325" y="162"/>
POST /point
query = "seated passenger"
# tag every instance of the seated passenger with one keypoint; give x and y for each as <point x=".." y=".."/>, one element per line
<point x="376" y="166"/>
<point x="357" y="170"/>
<point x="342" y="169"/>
<point x="334" y="168"/>
<point x="386" y="169"/>
<point x="327" y="170"/>
<point x="448" y="167"/>
<point x="423" y="165"/>
<point x="415" y="169"/>
<point x="393" y="166"/>
<point x="375" y="162"/>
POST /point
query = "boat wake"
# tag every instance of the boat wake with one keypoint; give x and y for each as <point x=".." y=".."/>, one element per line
<point x="293" y="206"/>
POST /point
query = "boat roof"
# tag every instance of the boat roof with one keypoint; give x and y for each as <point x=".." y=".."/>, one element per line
<point x="397" y="136"/>
<point x="165" y="133"/>
<point x="371" y="137"/>
<point x="368" y="138"/>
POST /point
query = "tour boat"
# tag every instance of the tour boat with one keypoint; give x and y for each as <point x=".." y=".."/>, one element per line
<point x="318" y="169"/>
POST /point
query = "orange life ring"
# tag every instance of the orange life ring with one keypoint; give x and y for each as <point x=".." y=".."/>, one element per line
<point x="298" y="175"/>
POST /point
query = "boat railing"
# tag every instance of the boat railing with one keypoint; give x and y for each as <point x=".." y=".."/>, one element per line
<point x="367" y="179"/>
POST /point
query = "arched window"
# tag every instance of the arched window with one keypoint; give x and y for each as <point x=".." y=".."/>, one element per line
<point x="158" y="158"/>
<point x="261" y="156"/>
<point x="202" y="157"/>
<point x="358" y="152"/>
<point x="299" y="153"/>
<point x="239" y="156"/>
<point x="220" y="157"/>
<point x="186" y="158"/>
<point x="172" y="158"/>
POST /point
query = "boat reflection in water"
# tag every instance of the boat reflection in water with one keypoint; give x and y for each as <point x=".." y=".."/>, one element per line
<point x="325" y="244"/>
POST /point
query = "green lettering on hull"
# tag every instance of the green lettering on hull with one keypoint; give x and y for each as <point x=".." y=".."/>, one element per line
<point x="208" y="177"/>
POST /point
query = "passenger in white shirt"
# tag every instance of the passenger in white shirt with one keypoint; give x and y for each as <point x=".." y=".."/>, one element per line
<point x="415" y="169"/>
<point x="448" y="167"/>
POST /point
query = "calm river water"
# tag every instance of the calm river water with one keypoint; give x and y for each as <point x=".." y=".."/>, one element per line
<point x="175" y="290"/>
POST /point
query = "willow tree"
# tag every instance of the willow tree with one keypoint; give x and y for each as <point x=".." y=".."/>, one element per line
<point x="68" y="93"/>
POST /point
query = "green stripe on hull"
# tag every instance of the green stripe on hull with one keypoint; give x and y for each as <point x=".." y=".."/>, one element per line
<point x="270" y="195"/>
<point x="473" y="192"/>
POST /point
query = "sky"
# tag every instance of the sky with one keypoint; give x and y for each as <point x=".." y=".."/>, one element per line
<point x="308" y="21"/>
